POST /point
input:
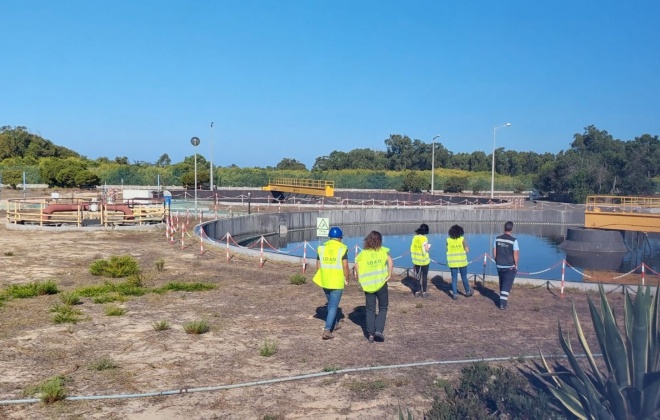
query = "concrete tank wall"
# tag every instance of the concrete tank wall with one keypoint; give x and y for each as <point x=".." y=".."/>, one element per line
<point x="267" y="224"/>
<point x="594" y="240"/>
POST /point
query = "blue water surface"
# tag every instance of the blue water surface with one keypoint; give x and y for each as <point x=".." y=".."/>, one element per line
<point x="540" y="255"/>
<point x="536" y="254"/>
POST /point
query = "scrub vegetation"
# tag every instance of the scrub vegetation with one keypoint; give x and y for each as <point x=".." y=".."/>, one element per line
<point x="49" y="391"/>
<point x="51" y="336"/>
<point x="593" y="162"/>
<point x="196" y="327"/>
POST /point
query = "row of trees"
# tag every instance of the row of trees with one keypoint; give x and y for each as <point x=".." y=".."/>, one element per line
<point x="403" y="154"/>
<point x="596" y="163"/>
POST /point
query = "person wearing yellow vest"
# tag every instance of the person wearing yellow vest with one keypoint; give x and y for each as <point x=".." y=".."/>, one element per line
<point x="419" y="251"/>
<point x="457" y="249"/>
<point x="374" y="266"/>
<point x="332" y="276"/>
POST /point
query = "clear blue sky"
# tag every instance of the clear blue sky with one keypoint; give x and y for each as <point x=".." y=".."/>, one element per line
<point x="301" y="78"/>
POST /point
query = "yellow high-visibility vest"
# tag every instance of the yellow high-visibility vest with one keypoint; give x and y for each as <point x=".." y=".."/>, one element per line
<point x="330" y="274"/>
<point x="456" y="255"/>
<point x="417" y="251"/>
<point x="372" y="268"/>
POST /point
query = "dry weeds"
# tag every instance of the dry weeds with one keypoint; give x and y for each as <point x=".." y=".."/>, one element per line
<point x="250" y="304"/>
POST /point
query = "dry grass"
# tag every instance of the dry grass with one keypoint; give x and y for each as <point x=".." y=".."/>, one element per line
<point x="247" y="304"/>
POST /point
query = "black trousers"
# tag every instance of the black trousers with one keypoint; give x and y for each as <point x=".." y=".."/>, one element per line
<point x="422" y="275"/>
<point x="376" y="322"/>
<point x="507" y="276"/>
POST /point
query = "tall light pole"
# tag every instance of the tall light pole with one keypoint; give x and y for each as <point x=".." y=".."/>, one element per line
<point x="195" y="142"/>
<point x="492" y="170"/>
<point x="211" y="161"/>
<point x="433" y="165"/>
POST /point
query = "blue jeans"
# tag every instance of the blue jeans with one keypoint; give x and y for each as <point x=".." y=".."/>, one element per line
<point x="454" y="279"/>
<point x="333" y="296"/>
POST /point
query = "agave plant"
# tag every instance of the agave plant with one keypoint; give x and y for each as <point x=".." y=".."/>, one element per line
<point x="631" y="386"/>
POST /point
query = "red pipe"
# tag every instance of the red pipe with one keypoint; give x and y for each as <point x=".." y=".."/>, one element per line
<point x="128" y="213"/>
<point x="54" y="208"/>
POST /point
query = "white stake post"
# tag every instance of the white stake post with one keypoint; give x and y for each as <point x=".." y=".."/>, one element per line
<point x="304" y="268"/>
<point x="563" y="276"/>
<point x="261" y="257"/>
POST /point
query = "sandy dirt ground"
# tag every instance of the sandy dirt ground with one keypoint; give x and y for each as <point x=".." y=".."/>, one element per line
<point x="249" y="305"/>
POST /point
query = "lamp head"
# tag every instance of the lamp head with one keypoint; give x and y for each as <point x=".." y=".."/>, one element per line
<point x="507" y="125"/>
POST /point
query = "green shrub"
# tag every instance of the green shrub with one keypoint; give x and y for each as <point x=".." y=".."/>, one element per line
<point x="184" y="287"/>
<point x="630" y="388"/>
<point x="112" y="310"/>
<point x="104" y="363"/>
<point x="128" y="289"/>
<point x="518" y="187"/>
<point x="37" y="288"/>
<point x="196" y="327"/>
<point x="64" y="318"/>
<point x="51" y="390"/>
<point x="93" y="291"/>
<point x="65" y="314"/>
<point x="160" y="264"/>
<point x="135" y="280"/>
<point x="484" y="391"/>
<point x="297" y="279"/>
<point x="268" y="348"/>
<point x="9" y="254"/>
<point x="70" y="299"/>
<point x="414" y="182"/>
<point x="161" y="325"/>
<point x="117" y="266"/>
<point x="480" y="185"/>
<point x="456" y="184"/>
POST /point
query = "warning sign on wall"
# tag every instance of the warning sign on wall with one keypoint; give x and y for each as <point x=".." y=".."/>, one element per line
<point x="322" y="226"/>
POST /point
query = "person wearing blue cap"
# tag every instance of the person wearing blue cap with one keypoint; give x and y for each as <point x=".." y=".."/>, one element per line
<point x="332" y="276"/>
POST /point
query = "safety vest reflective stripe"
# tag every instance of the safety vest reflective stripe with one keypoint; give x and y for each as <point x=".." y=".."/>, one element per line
<point x="417" y="251"/>
<point x="504" y="245"/>
<point x="456" y="255"/>
<point x="329" y="264"/>
<point x="372" y="269"/>
<point x="330" y="274"/>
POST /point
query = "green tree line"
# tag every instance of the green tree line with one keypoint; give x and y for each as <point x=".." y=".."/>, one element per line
<point x="595" y="163"/>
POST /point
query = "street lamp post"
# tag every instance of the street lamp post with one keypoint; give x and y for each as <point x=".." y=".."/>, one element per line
<point x="211" y="160"/>
<point x="433" y="165"/>
<point x="492" y="170"/>
<point x="195" y="142"/>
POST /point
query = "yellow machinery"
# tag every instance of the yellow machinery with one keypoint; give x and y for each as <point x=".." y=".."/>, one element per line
<point x="283" y="187"/>
<point x="641" y="214"/>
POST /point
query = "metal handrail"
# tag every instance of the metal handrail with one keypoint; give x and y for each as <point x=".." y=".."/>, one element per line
<point x="297" y="182"/>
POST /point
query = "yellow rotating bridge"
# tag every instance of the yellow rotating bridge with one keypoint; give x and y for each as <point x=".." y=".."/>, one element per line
<point x="281" y="188"/>
<point x="640" y="214"/>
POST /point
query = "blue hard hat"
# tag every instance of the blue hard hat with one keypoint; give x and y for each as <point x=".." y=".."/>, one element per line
<point x="335" y="232"/>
